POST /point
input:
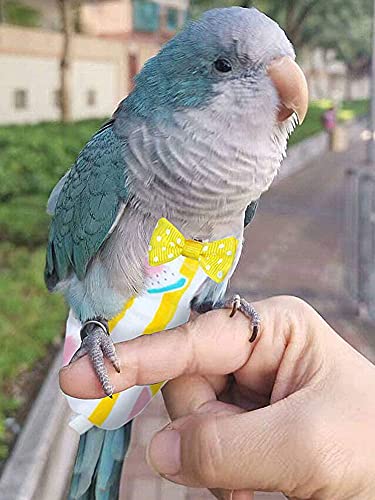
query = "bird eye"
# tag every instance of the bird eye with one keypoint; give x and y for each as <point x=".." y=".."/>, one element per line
<point x="222" y="65"/>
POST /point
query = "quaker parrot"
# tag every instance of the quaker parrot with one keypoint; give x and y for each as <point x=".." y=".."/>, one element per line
<point x="173" y="177"/>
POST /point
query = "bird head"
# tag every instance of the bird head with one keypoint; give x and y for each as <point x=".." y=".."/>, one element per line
<point x="234" y="51"/>
<point x="236" y="68"/>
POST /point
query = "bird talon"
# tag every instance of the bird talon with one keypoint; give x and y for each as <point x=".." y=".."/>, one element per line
<point x="233" y="311"/>
<point x="98" y="344"/>
<point x="236" y="305"/>
<point x="254" y="334"/>
<point x="239" y="304"/>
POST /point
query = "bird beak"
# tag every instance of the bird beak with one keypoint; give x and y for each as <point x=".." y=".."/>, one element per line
<point x="291" y="85"/>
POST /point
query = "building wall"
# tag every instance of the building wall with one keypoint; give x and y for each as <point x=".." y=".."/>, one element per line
<point x="105" y="60"/>
<point x="100" y="78"/>
<point x="116" y="16"/>
<point x="39" y="78"/>
<point x="327" y="77"/>
<point x="24" y="73"/>
<point x="109" y="17"/>
<point x="29" y="61"/>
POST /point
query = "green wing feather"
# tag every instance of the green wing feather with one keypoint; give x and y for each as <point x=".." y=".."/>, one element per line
<point x="87" y="206"/>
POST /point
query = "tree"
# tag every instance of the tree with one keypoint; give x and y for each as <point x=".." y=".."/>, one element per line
<point x="304" y="21"/>
<point x="344" y="27"/>
<point x="2" y="12"/>
<point x="67" y="23"/>
<point x="15" y="12"/>
<point x="347" y="31"/>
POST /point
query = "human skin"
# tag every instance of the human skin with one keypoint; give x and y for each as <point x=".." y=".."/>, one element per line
<point x="292" y="412"/>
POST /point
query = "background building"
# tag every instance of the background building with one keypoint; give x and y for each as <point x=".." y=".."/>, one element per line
<point x="115" y="39"/>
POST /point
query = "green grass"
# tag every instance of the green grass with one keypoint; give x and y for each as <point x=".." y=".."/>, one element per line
<point x="32" y="159"/>
<point x="30" y="321"/>
<point x="313" y="125"/>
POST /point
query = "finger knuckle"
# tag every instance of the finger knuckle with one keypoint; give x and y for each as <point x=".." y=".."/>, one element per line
<point x="293" y="302"/>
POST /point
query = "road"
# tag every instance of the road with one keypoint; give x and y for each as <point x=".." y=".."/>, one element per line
<point x="295" y="245"/>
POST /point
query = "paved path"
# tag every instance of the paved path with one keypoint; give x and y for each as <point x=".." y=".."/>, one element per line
<point x="294" y="246"/>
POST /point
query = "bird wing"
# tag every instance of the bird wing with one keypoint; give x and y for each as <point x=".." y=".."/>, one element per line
<point x="250" y="212"/>
<point x="92" y="196"/>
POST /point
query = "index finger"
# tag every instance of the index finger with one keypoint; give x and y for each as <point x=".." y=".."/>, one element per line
<point x="211" y="344"/>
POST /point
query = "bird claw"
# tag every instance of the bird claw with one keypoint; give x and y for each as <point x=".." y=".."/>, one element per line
<point x="236" y="303"/>
<point x="99" y="345"/>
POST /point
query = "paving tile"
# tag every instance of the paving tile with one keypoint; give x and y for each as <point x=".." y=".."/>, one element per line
<point x="142" y="489"/>
<point x="170" y="490"/>
<point x="198" y="494"/>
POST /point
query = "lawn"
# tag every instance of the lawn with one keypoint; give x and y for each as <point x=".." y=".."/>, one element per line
<point x="32" y="159"/>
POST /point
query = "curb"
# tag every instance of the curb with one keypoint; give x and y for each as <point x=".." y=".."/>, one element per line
<point x="40" y="465"/>
<point x="299" y="155"/>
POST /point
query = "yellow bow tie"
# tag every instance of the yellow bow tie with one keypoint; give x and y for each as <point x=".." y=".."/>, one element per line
<point x="215" y="258"/>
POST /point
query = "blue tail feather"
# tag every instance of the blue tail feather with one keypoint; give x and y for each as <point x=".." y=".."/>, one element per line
<point x="97" y="471"/>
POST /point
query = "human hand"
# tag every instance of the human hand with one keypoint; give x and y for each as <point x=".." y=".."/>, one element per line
<point x="292" y="412"/>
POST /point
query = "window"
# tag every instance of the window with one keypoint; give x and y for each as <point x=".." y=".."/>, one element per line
<point x="20" y="99"/>
<point x="91" y="98"/>
<point x="172" y="19"/>
<point x="146" y="16"/>
<point x="57" y="98"/>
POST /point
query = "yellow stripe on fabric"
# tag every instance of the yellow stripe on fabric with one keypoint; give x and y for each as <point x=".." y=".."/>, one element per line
<point x="103" y="409"/>
<point x="155" y="387"/>
<point x="168" y="307"/>
<point x="164" y="314"/>
<point x="113" y="322"/>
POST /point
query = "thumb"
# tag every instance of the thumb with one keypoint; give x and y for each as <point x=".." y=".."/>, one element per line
<point x="258" y="450"/>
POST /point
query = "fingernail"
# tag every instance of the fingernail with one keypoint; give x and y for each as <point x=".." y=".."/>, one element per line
<point x="164" y="452"/>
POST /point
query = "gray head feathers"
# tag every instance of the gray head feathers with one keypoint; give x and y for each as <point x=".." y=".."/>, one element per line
<point x="183" y="74"/>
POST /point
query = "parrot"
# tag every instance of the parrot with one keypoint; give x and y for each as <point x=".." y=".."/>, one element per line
<point x="176" y="173"/>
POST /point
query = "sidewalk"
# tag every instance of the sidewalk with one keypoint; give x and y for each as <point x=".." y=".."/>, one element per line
<point x="294" y="246"/>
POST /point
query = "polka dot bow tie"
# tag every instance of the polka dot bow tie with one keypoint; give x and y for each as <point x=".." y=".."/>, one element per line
<point x="215" y="257"/>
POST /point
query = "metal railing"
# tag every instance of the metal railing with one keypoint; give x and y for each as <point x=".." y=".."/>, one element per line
<point x="360" y="237"/>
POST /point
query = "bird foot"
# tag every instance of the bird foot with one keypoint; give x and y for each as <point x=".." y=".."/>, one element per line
<point x="236" y="303"/>
<point x="97" y="343"/>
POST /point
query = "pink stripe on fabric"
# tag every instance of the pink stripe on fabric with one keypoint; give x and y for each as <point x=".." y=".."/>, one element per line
<point x="71" y="345"/>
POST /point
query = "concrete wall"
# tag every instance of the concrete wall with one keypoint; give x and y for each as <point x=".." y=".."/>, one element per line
<point x="327" y="77"/>
<point x="110" y="17"/>
<point x="22" y="73"/>
<point x="29" y="61"/>
<point x="116" y="16"/>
